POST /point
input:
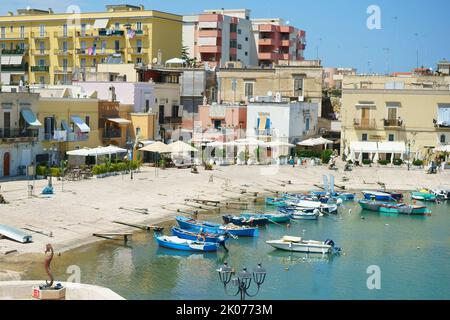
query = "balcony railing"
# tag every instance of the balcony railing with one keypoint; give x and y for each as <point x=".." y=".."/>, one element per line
<point x="62" y="34"/>
<point x="40" y="52"/>
<point x="19" y="134"/>
<point x="138" y="50"/>
<point x="39" y="35"/>
<point x="97" y="52"/>
<point x="63" y="52"/>
<point x="63" y="70"/>
<point x="173" y="120"/>
<point x="13" y="51"/>
<point x="112" y="134"/>
<point x="14" y="36"/>
<point x="364" y="123"/>
<point x="109" y="33"/>
<point x="57" y="135"/>
<point x="393" y="123"/>
<point x="14" y="68"/>
<point x="77" y="136"/>
<point x="40" y="68"/>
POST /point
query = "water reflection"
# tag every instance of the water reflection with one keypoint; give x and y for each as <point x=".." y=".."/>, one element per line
<point x="289" y="259"/>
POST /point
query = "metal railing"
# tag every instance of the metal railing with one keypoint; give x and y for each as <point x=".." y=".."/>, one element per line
<point x="40" y="68"/>
<point x="112" y="134"/>
<point x="393" y="123"/>
<point x="19" y="133"/>
<point x="364" y="123"/>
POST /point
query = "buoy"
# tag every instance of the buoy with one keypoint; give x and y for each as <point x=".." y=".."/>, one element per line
<point x="418" y="248"/>
<point x="287" y="268"/>
<point x="387" y="224"/>
<point x="362" y="218"/>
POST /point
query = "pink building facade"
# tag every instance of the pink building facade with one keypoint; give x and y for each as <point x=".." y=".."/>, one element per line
<point x="224" y="118"/>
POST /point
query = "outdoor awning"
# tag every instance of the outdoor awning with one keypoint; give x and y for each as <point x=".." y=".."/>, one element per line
<point x="100" y="23"/>
<point x="65" y="126"/>
<point x="363" y="146"/>
<point x="5" y="59"/>
<point x="262" y="122"/>
<point x="81" y="124"/>
<point x="391" y="147"/>
<point x="30" y="118"/>
<point x="16" y="59"/>
<point x="119" y="120"/>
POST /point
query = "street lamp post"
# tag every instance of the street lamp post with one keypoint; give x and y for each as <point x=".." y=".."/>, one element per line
<point x="409" y="153"/>
<point x="243" y="279"/>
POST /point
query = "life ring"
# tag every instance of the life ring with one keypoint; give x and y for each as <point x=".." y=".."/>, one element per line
<point x="201" y="237"/>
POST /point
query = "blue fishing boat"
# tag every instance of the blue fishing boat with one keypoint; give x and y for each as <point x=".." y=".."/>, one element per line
<point x="273" y="217"/>
<point x="204" y="226"/>
<point x="378" y="196"/>
<point x="243" y="221"/>
<point x="186" y="245"/>
<point x="346" y="196"/>
<point x="300" y="214"/>
<point x="397" y="196"/>
<point x="278" y="202"/>
<point x="197" y="236"/>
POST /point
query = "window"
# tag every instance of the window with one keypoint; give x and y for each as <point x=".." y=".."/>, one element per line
<point x="138" y="132"/>
<point x="117" y="45"/>
<point x="139" y="25"/>
<point x="307" y="124"/>
<point x="138" y="60"/>
<point x="246" y="53"/>
<point x="147" y="105"/>
<point x="233" y="43"/>
<point x="175" y="111"/>
<point x="442" y="139"/>
<point x="83" y="29"/>
<point x="391" y="137"/>
<point x="22" y="46"/>
<point x="65" y="64"/>
<point x="83" y="63"/>
<point x="65" y="30"/>
<point x="364" y="137"/>
<point x="298" y="87"/>
<point x="83" y="45"/>
<point x="239" y="31"/>
<point x="233" y="27"/>
<point x="3" y="32"/>
<point x="87" y="120"/>
<point x="249" y="89"/>
<point x="239" y="46"/>
<point x="217" y="124"/>
<point x="117" y="25"/>
<point x="22" y="31"/>
<point x="42" y="80"/>
<point x="42" y="30"/>
<point x="246" y="38"/>
<point x="65" y="46"/>
<point x="41" y="62"/>
<point x="11" y="29"/>
<point x="392" y="113"/>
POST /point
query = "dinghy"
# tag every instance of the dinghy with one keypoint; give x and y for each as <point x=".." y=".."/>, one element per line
<point x="15" y="234"/>
<point x="297" y="244"/>
<point x="423" y="195"/>
<point x="197" y="236"/>
<point x="308" y="204"/>
<point x="399" y="208"/>
<point x="186" y="245"/>
<point x="378" y="196"/>
<point x="272" y="217"/>
<point x="305" y="214"/>
<point x="204" y="226"/>
<point x="243" y="221"/>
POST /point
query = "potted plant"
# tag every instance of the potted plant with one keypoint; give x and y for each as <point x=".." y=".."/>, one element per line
<point x="398" y="162"/>
<point x="383" y="162"/>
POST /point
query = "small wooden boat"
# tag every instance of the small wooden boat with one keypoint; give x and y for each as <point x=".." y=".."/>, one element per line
<point x="308" y="204"/>
<point x="278" y="202"/>
<point x="197" y="236"/>
<point x="15" y="234"/>
<point x="272" y="217"/>
<point x="298" y="214"/>
<point x="345" y="196"/>
<point x="297" y="244"/>
<point x="423" y="195"/>
<point x="186" y="245"/>
<point x="397" y="196"/>
<point x="399" y="208"/>
<point x="378" y="196"/>
<point x="242" y="221"/>
<point x="204" y="226"/>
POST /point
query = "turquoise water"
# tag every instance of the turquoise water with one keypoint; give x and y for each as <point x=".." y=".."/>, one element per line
<point x="412" y="253"/>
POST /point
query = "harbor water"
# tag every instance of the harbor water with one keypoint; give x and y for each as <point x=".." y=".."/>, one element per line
<point x="411" y="252"/>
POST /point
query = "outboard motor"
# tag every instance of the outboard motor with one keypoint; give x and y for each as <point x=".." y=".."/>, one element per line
<point x="336" y="250"/>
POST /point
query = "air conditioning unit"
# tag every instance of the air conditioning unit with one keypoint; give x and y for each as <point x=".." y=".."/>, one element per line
<point x="301" y="98"/>
<point x="278" y="97"/>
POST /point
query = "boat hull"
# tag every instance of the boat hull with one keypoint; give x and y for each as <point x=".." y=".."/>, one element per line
<point x="190" y="235"/>
<point x="393" y="208"/>
<point x="241" y="221"/>
<point x="197" y="226"/>
<point x="186" y="245"/>
<point x="422" y="196"/>
<point x="300" y="247"/>
<point x="277" y="218"/>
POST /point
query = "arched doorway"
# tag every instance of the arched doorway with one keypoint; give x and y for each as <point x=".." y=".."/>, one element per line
<point x="6" y="161"/>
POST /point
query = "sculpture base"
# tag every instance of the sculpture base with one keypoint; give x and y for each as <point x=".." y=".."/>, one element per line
<point x="49" y="293"/>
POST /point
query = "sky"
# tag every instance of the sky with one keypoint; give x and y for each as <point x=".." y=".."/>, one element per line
<point x="410" y="31"/>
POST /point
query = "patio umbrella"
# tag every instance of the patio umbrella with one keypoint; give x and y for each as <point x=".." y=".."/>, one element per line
<point x="251" y="142"/>
<point x="279" y="144"/>
<point x="215" y="144"/>
<point x="84" y="152"/>
<point x="180" y="147"/>
<point x="158" y="147"/>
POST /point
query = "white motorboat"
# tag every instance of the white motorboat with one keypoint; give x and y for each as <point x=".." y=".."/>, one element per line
<point x="308" y="204"/>
<point x="296" y="213"/>
<point x="297" y="244"/>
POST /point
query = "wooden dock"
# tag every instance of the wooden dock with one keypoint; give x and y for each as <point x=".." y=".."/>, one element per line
<point x="114" y="236"/>
<point x="140" y="226"/>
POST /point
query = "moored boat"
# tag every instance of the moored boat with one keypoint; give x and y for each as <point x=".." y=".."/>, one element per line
<point x="204" y="226"/>
<point x="243" y="221"/>
<point x="399" y="208"/>
<point x="308" y="204"/>
<point x="346" y="196"/>
<point x="278" y="202"/>
<point x="177" y="243"/>
<point x="15" y="234"/>
<point x="423" y="195"/>
<point x="397" y="196"/>
<point x="297" y="244"/>
<point x="378" y="196"/>
<point x="298" y="214"/>
<point x="272" y="217"/>
<point x="199" y="236"/>
<point x="442" y="193"/>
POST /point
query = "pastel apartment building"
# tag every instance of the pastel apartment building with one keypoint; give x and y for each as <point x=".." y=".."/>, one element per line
<point x="219" y="36"/>
<point x="43" y="47"/>
<point x="278" y="42"/>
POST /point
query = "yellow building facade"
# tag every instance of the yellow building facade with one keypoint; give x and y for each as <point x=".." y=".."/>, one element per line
<point x="383" y="124"/>
<point x="56" y="48"/>
<point x="69" y="123"/>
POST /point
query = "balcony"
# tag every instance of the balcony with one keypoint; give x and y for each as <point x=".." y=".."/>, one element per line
<point x="39" y="35"/>
<point x="13" y="36"/>
<point x="210" y="49"/>
<point x="138" y="50"/>
<point x="267" y="42"/>
<point x="97" y="52"/>
<point x="267" y="28"/>
<point x="210" y="18"/>
<point x="173" y="120"/>
<point x="142" y="32"/>
<point x="65" y="70"/>
<point x="286" y="43"/>
<point x="268" y="56"/>
<point x="112" y="134"/>
<point x="19" y="135"/>
<point x="40" y="68"/>
<point x="63" y="52"/>
<point x="40" y="52"/>
<point x="57" y="135"/>
<point x="77" y="136"/>
<point x="286" y="29"/>
<point x="12" y="68"/>
<point x="364" y="123"/>
<point x="86" y="34"/>
<point x="393" y="123"/>
<point x="110" y="33"/>
<point x="62" y="34"/>
<point x="441" y="125"/>
<point x="213" y="33"/>
<point x="18" y="51"/>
